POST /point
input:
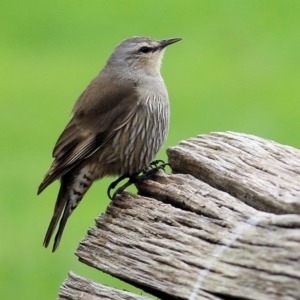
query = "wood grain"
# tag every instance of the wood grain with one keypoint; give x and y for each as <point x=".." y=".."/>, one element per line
<point x="225" y="226"/>
<point x="77" y="287"/>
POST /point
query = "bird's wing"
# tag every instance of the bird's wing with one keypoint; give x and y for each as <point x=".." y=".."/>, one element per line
<point x="102" y="109"/>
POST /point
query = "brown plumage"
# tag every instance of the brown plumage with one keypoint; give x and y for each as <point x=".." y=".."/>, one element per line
<point x="119" y="124"/>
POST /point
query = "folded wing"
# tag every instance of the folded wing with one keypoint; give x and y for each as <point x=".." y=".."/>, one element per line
<point x="102" y="109"/>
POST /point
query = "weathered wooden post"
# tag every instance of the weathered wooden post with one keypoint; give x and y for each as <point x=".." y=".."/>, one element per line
<point x="224" y="225"/>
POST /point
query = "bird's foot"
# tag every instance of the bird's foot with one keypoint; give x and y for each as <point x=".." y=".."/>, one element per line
<point x="145" y="174"/>
<point x="156" y="165"/>
<point x="121" y="189"/>
<point x="159" y="164"/>
<point x="114" y="184"/>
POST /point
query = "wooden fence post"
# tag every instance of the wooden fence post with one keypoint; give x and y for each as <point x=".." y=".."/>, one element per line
<point x="224" y="225"/>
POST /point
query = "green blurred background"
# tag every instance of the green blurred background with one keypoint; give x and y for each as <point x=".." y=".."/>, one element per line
<point x="237" y="68"/>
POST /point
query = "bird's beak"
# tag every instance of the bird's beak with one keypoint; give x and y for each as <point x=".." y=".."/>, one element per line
<point x="165" y="43"/>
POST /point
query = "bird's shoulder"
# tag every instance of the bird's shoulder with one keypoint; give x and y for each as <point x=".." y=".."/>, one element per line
<point x="104" y="92"/>
<point x="106" y="105"/>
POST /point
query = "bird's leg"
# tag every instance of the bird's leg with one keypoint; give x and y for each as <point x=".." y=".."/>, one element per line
<point x="123" y="187"/>
<point x="156" y="165"/>
<point x="114" y="184"/>
<point x="147" y="173"/>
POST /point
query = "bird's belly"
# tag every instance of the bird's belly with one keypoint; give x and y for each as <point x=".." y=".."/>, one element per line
<point x="135" y="145"/>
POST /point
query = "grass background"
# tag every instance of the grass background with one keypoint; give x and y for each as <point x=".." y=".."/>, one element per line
<point x="237" y="68"/>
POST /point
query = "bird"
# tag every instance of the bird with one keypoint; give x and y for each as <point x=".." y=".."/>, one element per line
<point x="118" y="125"/>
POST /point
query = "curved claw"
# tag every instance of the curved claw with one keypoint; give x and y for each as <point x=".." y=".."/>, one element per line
<point x="147" y="173"/>
<point x="156" y="162"/>
<point x="163" y="166"/>
<point x="122" y="188"/>
<point x="114" y="184"/>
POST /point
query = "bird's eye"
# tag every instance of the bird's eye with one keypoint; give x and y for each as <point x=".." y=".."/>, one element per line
<point x="144" y="49"/>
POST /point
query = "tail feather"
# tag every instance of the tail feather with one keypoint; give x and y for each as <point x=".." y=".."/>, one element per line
<point x="73" y="187"/>
<point x="60" y="206"/>
<point x="67" y="212"/>
<point x="50" y="230"/>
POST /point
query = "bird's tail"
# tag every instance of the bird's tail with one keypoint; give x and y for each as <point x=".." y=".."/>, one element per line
<point x="72" y="189"/>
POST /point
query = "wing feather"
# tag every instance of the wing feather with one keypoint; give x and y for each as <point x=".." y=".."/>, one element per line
<point x="102" y="109"/>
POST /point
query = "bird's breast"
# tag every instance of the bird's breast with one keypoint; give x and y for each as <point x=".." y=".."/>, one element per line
<point x="136" y="144"/>
<point x="149" y="129"/>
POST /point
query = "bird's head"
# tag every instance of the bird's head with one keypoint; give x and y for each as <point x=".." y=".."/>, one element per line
<point x="140" y="53"/>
